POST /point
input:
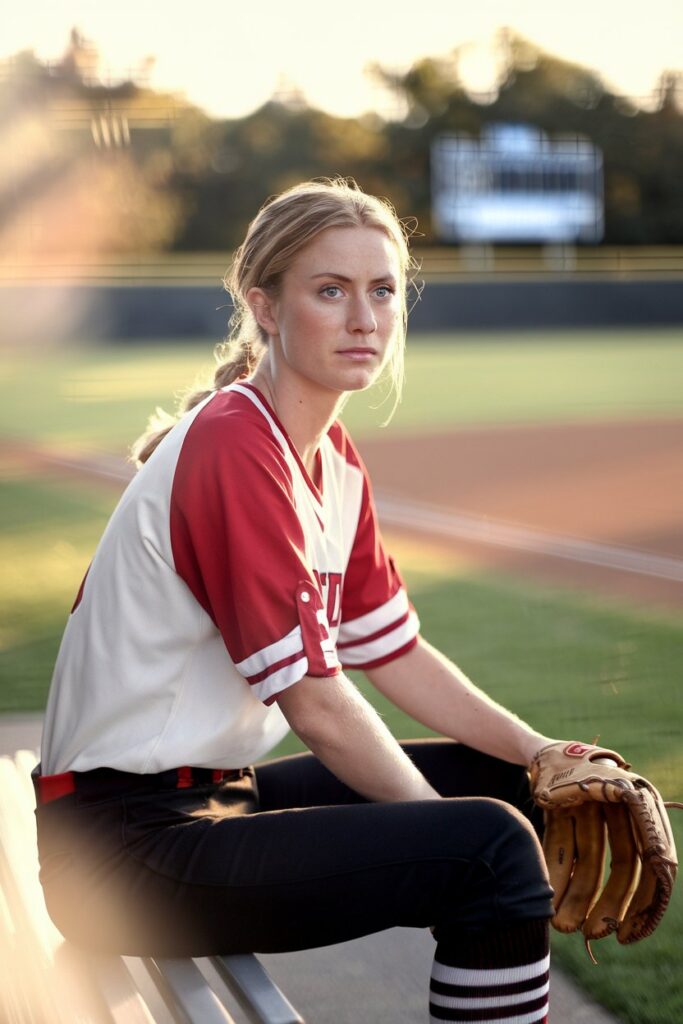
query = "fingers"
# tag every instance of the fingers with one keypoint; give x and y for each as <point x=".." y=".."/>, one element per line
<point x="560" y="851"/>
<point x="584" y="884"/>
<point x="622" y="883"/>
<point x="641" y="917"/>
<point x="659" y="864"/>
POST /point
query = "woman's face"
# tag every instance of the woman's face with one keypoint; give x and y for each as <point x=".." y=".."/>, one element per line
<point x="337" y="312"/>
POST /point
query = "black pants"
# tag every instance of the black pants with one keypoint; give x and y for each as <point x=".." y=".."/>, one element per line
<point x="289" y="858"/>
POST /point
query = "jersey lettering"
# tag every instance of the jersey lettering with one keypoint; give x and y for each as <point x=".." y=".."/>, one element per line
<point x="330" y="587"/>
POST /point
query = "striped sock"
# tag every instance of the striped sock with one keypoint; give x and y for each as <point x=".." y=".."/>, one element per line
<point x="493" y="977"/>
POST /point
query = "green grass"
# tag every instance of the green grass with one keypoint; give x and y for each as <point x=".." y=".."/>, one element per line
<point x="48" y="531"/>
<point x="570" y="665"/>
<point x="101" y="396"/>
<point x="553" y="376"/>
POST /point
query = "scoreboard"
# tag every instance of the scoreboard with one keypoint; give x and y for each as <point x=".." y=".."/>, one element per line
<point x="515" y="184"/>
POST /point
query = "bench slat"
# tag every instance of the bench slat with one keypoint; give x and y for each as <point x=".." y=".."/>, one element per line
<point x="255" y="990"/>
<point x="186" y="991"/>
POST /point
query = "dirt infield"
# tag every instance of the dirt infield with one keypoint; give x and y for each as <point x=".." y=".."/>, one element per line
<point x="615" y="484"/>
<point x="603" y="492"/>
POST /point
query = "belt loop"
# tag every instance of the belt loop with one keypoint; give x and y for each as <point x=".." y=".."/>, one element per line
<point x="184" y="778"/>
<point x="217" y="775"/>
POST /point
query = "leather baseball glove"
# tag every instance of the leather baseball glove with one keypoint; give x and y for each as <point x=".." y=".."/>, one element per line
<point x="592" y="800"/>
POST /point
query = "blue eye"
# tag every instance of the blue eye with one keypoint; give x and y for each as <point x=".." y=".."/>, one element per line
<point x="384" y="291"/>
<point x="331" y="288"/>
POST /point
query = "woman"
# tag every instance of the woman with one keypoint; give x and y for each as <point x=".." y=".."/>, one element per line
<point x="241" y="571"/>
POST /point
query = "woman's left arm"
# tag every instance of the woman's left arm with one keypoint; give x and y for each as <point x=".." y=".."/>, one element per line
<point x="433" y="691"/>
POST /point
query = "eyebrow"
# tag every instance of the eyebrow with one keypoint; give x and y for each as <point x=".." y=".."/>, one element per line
<point x="348" y="280"/>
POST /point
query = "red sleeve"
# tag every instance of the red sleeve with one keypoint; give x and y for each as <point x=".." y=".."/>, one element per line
<point x="239" y="546"/>
<point x="378" y="621"/>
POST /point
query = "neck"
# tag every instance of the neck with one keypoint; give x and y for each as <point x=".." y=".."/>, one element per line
<point x="304" y="412"/>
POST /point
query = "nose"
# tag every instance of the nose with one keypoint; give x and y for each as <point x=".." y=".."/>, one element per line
<point x="362" y="318"/>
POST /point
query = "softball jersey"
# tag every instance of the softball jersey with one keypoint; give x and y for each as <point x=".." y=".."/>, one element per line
<point x="223" y="577"/>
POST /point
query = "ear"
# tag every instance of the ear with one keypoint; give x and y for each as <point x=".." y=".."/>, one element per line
<point x="260" y="303"/>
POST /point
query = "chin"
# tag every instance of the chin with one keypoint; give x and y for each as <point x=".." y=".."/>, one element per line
<point x="360" y="381"/>
<point x="359" y="386"/>
<point x="356" y="379"/>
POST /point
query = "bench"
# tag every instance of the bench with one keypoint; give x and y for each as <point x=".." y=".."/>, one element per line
<point x="46" y="980"/>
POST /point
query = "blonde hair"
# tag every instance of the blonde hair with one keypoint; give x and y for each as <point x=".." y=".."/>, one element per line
<point x="281" y="229"/>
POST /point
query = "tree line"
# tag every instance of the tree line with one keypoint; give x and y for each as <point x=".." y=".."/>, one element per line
<point x="90" y="167"/>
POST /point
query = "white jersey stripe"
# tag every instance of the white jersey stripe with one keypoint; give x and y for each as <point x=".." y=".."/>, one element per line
<point x="393" y="609"/>
<point x="262" y="660"/>
<point x="495" y="976"/>
<point x="280" y="680"/>
<point x="487" y="1002"/>
<point x="376" y="636"/>
<point x="394" y="640"/>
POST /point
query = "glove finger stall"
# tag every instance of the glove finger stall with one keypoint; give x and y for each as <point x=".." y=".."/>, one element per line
<point x="622" y="882"/>
<point x="659" y="865"/>
<point x="559" y="849"/>
<point x="585" y="882"/>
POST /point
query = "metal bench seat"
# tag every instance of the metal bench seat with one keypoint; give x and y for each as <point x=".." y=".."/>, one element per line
<point x="46" y="980"/>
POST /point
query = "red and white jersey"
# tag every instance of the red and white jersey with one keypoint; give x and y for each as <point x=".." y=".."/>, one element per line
<point x="223" y="577"/>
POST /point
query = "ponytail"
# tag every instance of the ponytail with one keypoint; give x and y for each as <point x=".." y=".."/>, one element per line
<point x="237" y="357"/>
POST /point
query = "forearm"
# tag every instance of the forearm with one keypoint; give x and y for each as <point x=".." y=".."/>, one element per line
<point x="435" y="692"/>
<point x="339" y="726"/>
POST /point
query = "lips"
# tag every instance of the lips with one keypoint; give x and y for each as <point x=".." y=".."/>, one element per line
<point x="358" y="352"/>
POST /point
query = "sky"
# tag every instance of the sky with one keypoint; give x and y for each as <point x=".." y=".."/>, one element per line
<point x="229" y="57"/>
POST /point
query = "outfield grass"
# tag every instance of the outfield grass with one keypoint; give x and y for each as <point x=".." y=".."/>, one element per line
<point x="48" y="532"/>
<point x="572" y="666"/>
<point x="101" y="396"/>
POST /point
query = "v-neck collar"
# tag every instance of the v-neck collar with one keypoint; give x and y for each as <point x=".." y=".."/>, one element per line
<point x="317" y="492"/>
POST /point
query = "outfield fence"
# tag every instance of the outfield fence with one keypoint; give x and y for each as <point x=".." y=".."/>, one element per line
<point x="436" y="263"/>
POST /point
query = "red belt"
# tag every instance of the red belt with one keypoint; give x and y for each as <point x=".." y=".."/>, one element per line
<point x="52" y="787"/>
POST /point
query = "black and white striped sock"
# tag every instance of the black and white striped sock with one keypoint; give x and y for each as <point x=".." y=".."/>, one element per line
<point x="499" y="976"/>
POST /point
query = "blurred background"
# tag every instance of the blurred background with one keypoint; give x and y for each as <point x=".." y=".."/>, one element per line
<point x="530" y="483"/>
